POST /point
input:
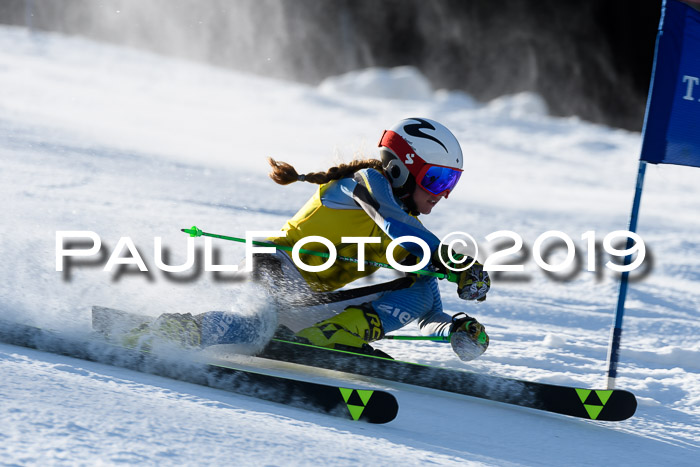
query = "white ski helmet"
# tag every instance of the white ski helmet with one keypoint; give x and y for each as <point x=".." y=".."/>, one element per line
<point x="424" y="152"/>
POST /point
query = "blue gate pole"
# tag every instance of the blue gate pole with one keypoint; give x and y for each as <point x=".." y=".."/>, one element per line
<point x="616" y="334"/>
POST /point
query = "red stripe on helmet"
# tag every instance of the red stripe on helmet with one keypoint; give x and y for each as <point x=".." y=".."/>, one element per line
<point x="406" y="154"/>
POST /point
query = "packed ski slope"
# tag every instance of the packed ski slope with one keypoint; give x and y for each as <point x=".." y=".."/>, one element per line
<point x="128" y="144"/>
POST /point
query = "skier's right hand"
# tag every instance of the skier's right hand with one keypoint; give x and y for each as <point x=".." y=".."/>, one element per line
<point x="468" y="337"/>
<point x="462" y="322"/>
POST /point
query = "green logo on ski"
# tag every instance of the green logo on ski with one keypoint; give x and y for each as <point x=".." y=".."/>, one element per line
<point x="593" y="401"/>
<point x="356" y="400"/>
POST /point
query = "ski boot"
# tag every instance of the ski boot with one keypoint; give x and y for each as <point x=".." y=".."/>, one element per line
<point x="182" y="329"/>
<point x="351" y="330"/>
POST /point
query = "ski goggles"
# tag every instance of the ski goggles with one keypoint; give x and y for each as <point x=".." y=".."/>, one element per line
<point x="438" y="180"/>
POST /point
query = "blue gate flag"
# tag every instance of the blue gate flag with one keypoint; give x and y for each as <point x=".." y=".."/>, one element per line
<point x="671" y="132"/>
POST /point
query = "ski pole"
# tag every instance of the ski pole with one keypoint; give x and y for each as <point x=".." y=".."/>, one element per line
<point x="196" y="232"/>
<point x="419" y="338"/>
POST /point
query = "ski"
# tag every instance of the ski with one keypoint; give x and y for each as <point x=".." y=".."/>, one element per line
<point x="592" y="404"/>
<point x="367" y="405"/>
<point x="606" y="405"/>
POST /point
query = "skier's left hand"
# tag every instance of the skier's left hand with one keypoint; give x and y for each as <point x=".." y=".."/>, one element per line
<point x="472" y="283"/>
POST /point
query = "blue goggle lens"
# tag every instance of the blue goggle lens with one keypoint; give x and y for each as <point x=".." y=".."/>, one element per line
<point x="438" y="179"/>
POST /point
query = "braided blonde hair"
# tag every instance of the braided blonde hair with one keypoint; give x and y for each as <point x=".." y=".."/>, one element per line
<point x="284" y="174"/>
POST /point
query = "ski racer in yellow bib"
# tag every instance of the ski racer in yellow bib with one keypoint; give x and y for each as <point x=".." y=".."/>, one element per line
<point x="421" y="163"/>
<point x="333" y="213"/>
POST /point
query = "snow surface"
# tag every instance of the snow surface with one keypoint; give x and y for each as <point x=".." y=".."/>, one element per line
<point x="130" y="144"/>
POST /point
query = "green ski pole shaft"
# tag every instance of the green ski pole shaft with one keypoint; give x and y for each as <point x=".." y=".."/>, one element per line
<point x="196" y="232"/>
<point x="419" y="338"/>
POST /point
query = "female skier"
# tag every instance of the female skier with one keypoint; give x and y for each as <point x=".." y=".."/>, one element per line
<point x="421" y="162"/>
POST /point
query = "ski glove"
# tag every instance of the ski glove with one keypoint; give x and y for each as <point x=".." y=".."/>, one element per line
<point x="468" y="337"/>
<point x="472" y="283"/>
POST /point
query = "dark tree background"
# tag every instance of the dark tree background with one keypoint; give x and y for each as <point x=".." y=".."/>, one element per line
<point x="588" y="58"/>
